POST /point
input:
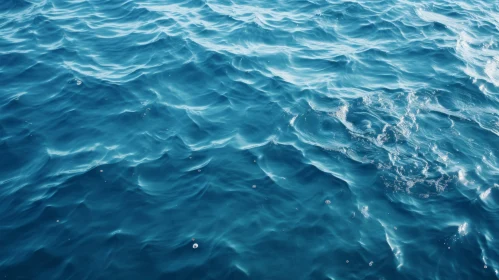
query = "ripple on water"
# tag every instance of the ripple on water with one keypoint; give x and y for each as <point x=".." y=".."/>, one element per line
<point x="334" y="139"/>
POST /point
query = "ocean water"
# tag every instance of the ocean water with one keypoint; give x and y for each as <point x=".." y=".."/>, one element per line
<point x="297" y="139"/>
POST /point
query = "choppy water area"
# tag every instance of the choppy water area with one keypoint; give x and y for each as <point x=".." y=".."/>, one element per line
<point x="286" y="139"/>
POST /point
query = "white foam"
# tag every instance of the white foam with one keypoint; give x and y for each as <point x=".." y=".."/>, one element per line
<point x="342" y="113"/>
<point x="462" y="176"/>
<point x="485" y="194"/>
<point x="491" y="70"/>
<point x="365" y="211"/>
<point x="396" y="250"/>
<point x="478" y="59"/>
<point x="435" y="17"/>
<point x="463" y="229"/>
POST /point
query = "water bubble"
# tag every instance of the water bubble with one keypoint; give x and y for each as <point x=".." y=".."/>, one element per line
<point x="328" y="202"/>
<point x="195" y="245"/>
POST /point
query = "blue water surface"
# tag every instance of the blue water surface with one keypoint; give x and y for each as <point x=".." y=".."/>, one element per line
<point x="288" y="139"/>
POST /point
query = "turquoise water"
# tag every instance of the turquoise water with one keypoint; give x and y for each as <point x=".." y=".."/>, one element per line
<point x="299" y="139"/>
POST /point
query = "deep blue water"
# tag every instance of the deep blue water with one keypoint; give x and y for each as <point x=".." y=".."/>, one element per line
<point x="291" y="139"/>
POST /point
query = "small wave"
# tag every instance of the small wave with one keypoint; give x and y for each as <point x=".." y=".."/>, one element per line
<point x="330" y="138"/>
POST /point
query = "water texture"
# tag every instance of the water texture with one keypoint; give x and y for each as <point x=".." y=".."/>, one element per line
<point x="289" y="139"/>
